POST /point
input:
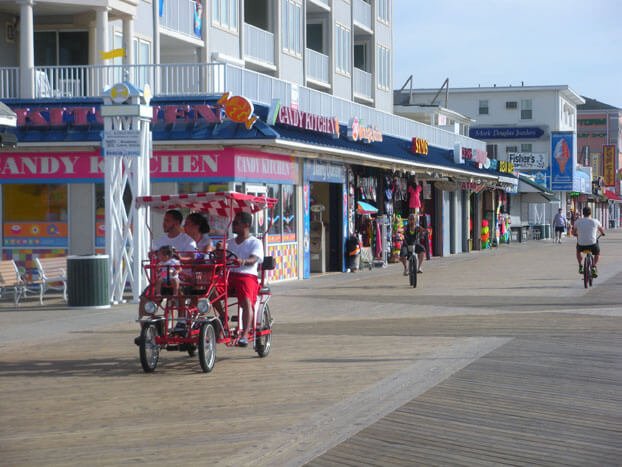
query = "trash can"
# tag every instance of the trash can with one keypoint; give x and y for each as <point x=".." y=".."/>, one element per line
<point x="88" y="281"/>
<point x="547" y="231"/>
<point x="353" y="252"/>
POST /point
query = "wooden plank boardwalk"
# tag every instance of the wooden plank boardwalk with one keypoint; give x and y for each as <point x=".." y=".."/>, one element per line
<point x="546" y="400"/>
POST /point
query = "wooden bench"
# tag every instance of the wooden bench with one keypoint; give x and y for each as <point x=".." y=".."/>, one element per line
<point x="10" y="279"/>
<point x="52" y="275"/>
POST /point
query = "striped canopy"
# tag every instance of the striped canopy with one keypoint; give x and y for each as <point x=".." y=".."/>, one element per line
<point x="221" y="204"/>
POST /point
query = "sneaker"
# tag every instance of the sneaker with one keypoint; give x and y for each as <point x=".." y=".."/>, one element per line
<point x="138" y="340"/>
<point x="405" y="272"/>
<point x="581" y="269"/>
<point x="243" y="342"/>
<point x="419" y="271"/>
<point x="594" y="272"/>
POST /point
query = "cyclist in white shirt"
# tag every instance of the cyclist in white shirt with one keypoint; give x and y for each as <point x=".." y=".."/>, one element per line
<point x="586" y="230"/>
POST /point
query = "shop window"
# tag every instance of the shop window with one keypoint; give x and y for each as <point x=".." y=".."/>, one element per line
<point x="491" y="149"/>
<point x="274" y="215"/>
<point x="526" y="112"/>
<point x="526" y="147"/>
<point x="35" y="215"/>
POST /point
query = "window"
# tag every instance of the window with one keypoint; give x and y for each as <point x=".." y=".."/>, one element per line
<point x="511" y="105"/>
<point x="142" y="56"/>
<point x="491" y="149"/>
<point x="383" y="61"/>
<point x="511" y="149"/>
<point x="225" y="14"/>
<point x="526" y="147"/>
<point x="35" y="215"/>
<point x="382" y="7"/>
<point x="292" y="27"/>
<point x="282" y="218"/>
<point x="342" y="49"/>
<point x="483" y="107"/>
<point x="525" y="109"/>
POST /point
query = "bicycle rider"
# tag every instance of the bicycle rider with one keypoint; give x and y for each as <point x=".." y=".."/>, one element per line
<point x="413" y="236"/>
<point x="586" y="230"/>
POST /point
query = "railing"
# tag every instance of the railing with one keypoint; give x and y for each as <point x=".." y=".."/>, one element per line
<point x="317" y="66"/>
<point x="323" y="2"/>
<point x="361" y="13"/>
<point x="179" y="16"/>
<point x="258" y="44"/>
<point x="9" y="82"/>
<point x="362" y="83"/>
<point x="215" y="78"/>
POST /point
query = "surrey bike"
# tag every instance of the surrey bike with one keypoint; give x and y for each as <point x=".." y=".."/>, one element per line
<point x="588" y="266"/>
<point x="187" y="321"/>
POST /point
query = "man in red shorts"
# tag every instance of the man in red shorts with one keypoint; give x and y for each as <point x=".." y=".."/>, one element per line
<point x="243" y="279"/>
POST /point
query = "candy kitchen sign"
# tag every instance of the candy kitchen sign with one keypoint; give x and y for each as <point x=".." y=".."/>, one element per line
<point x="290" y="116"/>
<point x="80" y="167"/>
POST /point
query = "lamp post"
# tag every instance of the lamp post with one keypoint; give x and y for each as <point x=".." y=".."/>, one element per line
<point x="126" y="149"/>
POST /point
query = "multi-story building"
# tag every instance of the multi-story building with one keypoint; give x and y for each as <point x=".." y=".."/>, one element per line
<point x="599" y="138"/>
<point x="318" y="73"/>
<point x="534" y="129"/>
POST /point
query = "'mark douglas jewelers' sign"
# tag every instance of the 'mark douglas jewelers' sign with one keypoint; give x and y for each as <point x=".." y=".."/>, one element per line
<point x="506" y="133"/>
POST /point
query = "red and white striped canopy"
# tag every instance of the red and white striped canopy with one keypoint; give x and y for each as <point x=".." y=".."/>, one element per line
<point x="221" y="204"/>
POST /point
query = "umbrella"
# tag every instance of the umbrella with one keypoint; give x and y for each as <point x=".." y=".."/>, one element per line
<point x="365" y="208"/>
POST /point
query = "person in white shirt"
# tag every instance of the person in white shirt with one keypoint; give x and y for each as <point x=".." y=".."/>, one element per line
<point x="586" y="230"/>
<point x="243" y="279"/>
<point x="559" y="223"/>
<point x="176" y="238"/>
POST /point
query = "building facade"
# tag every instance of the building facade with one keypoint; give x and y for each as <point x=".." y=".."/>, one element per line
<point x="534" y="130"/>
<point x="317" y="76"/>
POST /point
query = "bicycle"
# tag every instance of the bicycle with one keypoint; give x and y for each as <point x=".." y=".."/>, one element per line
<point x="413" y="266"/>
<point x="588" y="266"/>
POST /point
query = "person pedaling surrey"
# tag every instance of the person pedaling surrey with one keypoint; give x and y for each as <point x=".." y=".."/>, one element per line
<point x="243" y="279"/>
<point x="178" y="240"/>
<point x="414" y="235"/>
<point x="586" y="230"/>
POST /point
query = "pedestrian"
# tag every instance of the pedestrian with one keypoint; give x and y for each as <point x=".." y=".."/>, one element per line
<point x="559" y="224"/>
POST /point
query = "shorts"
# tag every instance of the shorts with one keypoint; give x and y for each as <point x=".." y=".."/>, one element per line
<point x="243" y="285"/>
<point x="404" y="250"/>
<point x="560" y="229"/>
<point x="595" y="249"/>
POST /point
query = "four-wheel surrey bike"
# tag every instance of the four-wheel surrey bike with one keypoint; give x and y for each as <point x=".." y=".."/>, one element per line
<point x="588" y="266"/>
<point x="187" y="321"/>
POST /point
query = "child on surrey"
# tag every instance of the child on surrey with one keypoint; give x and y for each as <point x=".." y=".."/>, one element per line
<point x="168" y="271"/>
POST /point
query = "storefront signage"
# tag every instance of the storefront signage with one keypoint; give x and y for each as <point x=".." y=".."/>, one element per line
<point x="562" y="161"/>
<point x="238" y="109"/>
<point x="365" y="134"/>
<point x="419" y="146"/>
<point x="506" y="133"/>
<point x="528" y="160"/>
<point x="506" y="167"/>
<point x="305" y="121"/>
<point x="226" y="164"/>
<point x="472" y="186"/>
<point x="121" y="143"/>
<point x="320" y="171"/>
<point x="609" y="164"/>
<point x="467" y="154"/>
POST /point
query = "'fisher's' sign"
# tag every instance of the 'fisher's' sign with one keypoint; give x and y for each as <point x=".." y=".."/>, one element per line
<point x="528" y="160"/>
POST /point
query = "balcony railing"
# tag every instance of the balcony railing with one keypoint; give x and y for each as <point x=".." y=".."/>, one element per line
<point x="215" y="78"/>
<point x="179" y="16"/>
<point x="361" y="13"/>
<point x="317" y="66"/>
<point x="362" y="84"/>
<point x="258" y="44"/>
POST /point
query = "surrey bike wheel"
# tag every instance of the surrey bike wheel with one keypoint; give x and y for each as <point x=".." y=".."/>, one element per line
<point x="149" y="350"/>
<point x="263" y="344"/>
<point x="207" y="347"/>
<point x="412" y="270"/>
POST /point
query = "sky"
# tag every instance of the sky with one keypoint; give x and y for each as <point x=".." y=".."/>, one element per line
<point x="505" y="42"/>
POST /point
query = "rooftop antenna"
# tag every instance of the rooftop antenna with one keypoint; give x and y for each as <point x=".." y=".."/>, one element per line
<point x="445" y="86"/>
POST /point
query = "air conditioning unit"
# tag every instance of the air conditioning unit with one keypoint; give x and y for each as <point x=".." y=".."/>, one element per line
<point x="511" y="105"/>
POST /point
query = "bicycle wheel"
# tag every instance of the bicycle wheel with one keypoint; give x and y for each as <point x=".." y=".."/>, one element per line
<point x="412" y="270"/>
<point x="587" y="271"/>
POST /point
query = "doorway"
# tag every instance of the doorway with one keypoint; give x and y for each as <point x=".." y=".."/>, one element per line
<point x="326" y="226"/>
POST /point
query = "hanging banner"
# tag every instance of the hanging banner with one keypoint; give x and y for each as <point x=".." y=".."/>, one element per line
<point x="562" y="161"/>
<point x="609" y="164"/>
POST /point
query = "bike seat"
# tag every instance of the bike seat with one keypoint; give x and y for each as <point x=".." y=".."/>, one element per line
<point x="265" y="290"/>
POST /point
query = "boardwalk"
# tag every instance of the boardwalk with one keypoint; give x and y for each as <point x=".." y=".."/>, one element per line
<point x="500" y="357"/>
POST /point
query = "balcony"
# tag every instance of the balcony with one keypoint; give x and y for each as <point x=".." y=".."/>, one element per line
<point x="317" y="67"/>
<point x="259" y="46"/>
<point x="178" y="17"/>
<point x="362" y="85"/>
<point x="361" y="15"/>
<point x="215" y="78"/>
